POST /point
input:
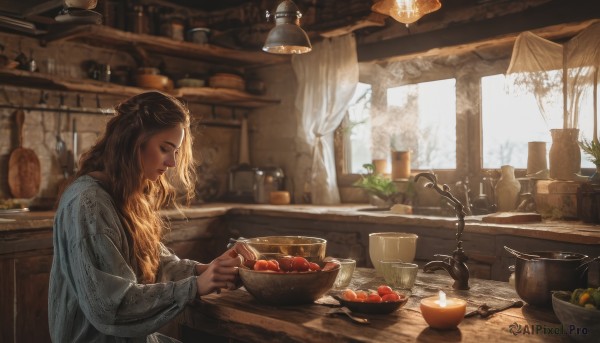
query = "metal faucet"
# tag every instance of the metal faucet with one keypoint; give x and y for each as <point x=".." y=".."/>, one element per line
<point x="455" y="265"/>
<point x="463" y="186"/>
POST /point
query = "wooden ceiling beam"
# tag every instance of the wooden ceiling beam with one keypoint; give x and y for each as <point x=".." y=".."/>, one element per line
<point x="555" y="20"/>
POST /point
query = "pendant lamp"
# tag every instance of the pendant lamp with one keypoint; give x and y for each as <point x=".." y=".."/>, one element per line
<point x="287" y="37"/>
<point x="406" y="11"/>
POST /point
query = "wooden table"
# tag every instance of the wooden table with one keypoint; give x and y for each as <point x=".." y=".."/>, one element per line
<point x="237" y="315"/>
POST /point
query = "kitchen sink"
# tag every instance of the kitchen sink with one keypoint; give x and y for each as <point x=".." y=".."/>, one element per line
<point x="419" y="211"/>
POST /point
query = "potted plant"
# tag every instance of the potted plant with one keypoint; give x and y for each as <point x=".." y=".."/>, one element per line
<point x="592" y="149"/>
<point x="381" y="190"/>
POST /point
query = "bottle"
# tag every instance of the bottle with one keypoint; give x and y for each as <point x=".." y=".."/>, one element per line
<point x="138" y="20"/>
<point x="480" y="203"/>
<point x="507" y="189"/>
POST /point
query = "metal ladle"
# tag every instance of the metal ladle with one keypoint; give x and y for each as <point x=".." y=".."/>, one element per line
<point x="521" y="254"/>
<point x="347" y="312"/>
<point x="485" y="310"/>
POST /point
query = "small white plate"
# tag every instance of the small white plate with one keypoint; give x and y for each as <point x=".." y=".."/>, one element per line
<point x="80" y="16"/>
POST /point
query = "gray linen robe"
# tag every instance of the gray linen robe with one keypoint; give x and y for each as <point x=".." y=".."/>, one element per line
<point x="94" y="295"/>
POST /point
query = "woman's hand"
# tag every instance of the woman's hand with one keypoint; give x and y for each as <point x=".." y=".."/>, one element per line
<point x="222" y="272"/>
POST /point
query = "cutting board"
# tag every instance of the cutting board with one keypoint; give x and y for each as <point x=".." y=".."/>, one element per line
<point x="24" y="174"/>
<point x="512" y="218"/>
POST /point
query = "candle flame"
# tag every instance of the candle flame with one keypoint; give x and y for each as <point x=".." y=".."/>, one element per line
<point x="442" y="301"/>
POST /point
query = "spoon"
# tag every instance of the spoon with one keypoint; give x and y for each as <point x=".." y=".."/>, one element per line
<point x="520" y="254"/>
<point x="485" y="310"/>
<point x="347" y="312"/>
<point x="249" y="254"/>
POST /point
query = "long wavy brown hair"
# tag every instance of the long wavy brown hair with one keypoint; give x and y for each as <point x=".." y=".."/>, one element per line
<point x="138" y="200"/>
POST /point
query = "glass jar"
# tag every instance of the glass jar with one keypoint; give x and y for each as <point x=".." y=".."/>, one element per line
<point x="137" y="20"/>
<point x="173" y="26"/>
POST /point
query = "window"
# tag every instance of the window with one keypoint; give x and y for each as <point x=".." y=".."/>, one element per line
<point x="359" y="128"/>
<point x="419" y="117"/>
<point x="510" y="121"/>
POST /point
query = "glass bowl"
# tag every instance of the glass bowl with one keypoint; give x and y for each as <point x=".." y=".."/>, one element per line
<point x="274" y="247"/>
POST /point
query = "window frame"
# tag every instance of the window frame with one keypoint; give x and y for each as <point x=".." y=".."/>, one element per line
<point x="469" y="130"/>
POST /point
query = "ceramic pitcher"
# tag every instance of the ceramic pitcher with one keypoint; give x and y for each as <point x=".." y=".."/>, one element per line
<point x="507" y="189"/>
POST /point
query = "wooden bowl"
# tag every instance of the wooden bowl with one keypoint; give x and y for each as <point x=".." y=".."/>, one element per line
<point x="150" y="81"/>
<point x="288" y="288"/>
<point x="224" y="80"/>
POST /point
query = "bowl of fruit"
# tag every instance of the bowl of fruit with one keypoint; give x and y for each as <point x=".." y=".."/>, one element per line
<point x="288" y="280"/>
<point x="384" y="300"/>
<point x="579" y="313"/>
<point x="275" y="247"/>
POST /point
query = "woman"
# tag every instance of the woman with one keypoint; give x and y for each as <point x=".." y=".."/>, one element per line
<point x="112" y="279"/>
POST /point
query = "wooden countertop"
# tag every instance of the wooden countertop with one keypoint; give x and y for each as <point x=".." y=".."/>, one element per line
<point x="563" y="231"/>
<point x="240" y="316"/>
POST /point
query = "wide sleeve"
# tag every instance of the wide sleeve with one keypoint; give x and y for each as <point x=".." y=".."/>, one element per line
<point x="106" y="285"/>
<point x="172" y="268"/>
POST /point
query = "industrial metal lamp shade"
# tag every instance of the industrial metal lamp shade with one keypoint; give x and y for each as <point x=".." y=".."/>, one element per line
<point x="406" y="11"/>
<point x="287" y="37"/>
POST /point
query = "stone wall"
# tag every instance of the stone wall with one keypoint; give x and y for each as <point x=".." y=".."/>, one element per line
<point x="215" y="147"/>
<point x="273" y="129"/>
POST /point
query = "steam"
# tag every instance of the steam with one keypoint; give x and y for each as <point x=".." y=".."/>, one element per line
<point x="395" y="127"/>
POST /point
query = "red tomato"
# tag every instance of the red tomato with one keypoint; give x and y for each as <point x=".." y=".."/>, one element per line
<point x="349" y="295"/>
<point x="285" y="263"/>
<point x="390" y="297"/>
<point x="300" y="264"/>
<point x="261" y="265"/>
<point x="383" y="290"/>
<point x="361" y="296"/>
<point x="373" y="298"/>
<point x="313" y="266"/>
<point x="273" y="265"/>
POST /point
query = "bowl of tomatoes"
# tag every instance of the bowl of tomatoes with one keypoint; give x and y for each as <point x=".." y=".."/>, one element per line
<point x="289" y="280"/>
<point x="384" y="300"/>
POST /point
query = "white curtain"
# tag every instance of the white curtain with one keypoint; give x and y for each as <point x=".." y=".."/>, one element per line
<point x="559" y="75"/>
<point x="327" y="78"/>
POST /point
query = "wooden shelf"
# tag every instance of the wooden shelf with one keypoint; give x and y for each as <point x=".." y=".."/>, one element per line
<point x="99" y="35"/>
<point x="204" y="95"/>
<point x="223" y="97"/>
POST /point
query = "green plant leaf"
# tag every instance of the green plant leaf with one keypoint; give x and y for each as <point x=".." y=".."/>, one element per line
<point x="591" y="148"/>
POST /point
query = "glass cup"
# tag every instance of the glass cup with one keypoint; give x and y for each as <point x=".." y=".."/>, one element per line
<point x="399" y="274"/>
<point x="345" y="274"/>
<point x="391" y="246"/>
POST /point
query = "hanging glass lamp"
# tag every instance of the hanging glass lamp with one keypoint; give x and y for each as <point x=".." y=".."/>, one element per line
<point x="406" y="11"/>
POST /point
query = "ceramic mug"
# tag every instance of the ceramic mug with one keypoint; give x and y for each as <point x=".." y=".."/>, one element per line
<point x="391" y="246"/>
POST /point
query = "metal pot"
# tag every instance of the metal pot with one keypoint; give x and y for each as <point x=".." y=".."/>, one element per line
<point x="537" y="277"/>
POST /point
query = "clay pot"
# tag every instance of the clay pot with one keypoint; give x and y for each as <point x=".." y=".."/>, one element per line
<point x="565" y="156"/>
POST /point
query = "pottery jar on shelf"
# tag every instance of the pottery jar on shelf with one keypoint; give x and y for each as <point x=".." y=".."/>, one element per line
<point x="565" y="156"/>
<point x="507" y="189"/>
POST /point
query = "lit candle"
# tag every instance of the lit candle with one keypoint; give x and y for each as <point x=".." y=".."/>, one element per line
<point x="443" y="313"/>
